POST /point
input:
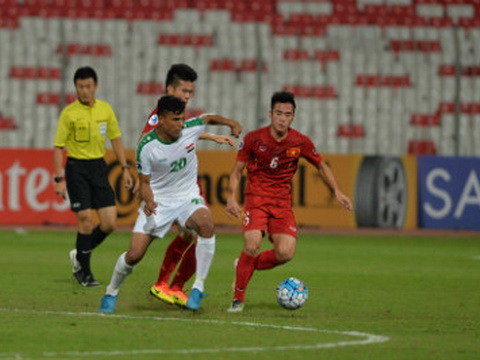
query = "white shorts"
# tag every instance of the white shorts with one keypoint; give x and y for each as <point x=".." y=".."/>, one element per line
<point x="166" y="214"/>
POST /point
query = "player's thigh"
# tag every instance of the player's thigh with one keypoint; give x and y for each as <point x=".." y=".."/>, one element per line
<point x="284" y="246"/>
<point x="201" y="221"/>
<point x="138" y="247"/>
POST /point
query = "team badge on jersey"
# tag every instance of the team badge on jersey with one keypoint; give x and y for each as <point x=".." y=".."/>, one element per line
<point x="293" y="152"/>
<point x="153" y="120"/>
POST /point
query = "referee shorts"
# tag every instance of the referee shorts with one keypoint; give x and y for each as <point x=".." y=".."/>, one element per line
<point x="87" y="184"/>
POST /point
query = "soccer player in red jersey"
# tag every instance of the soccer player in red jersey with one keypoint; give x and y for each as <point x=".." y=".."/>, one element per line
<point x="180" y="82"/>
<point x="271" y="156"/>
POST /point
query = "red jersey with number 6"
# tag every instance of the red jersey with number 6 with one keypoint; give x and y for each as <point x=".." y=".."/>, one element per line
<point x="271" y="164"/>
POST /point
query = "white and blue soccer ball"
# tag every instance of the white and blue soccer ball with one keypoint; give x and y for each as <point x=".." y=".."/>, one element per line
<point x="292" y="293"/>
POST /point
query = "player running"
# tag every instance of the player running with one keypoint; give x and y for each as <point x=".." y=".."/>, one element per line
<point x="180" y="82"/>
<point x="271" y="156"/>
<point x="168" y="169"/>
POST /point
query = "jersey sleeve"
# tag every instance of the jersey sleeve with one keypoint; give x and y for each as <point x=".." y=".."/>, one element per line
<point x="113" y="129"/>
<point x="310" y="153"/>
<point x="152" y="122"/>
<point x="62" y="133"/>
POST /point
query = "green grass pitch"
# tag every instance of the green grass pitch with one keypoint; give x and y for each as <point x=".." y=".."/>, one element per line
<point x="372" y="297"/>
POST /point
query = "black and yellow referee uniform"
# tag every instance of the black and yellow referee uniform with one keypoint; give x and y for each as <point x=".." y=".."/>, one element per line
<point x="82" y="130"/>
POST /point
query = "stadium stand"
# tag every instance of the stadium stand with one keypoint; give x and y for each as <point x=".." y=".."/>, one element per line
<point x="371" y="76"/>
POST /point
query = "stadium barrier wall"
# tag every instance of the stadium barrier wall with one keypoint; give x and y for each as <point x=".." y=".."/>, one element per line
<point x="383" y="188"/>
<point x="449" y="192"/>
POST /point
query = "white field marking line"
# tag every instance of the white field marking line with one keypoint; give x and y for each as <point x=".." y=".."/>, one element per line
<point x="476" y="257"/>
<point x="366" y="338"/>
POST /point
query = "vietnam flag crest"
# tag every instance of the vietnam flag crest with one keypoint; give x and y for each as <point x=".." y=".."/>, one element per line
<point x="293" y="152"/>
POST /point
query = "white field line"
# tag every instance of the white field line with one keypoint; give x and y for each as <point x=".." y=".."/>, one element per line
<point x="361" y="337"/>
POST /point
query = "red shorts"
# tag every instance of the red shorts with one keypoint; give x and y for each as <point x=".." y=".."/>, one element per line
<point x="269" y="214"/>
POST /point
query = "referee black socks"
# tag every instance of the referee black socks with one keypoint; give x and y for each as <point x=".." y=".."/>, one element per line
<point x="84" y="251"/>
<point x="97" y="236"/>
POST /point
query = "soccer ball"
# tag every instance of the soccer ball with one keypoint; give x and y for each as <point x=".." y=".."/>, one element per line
<point x="292" y="293"/>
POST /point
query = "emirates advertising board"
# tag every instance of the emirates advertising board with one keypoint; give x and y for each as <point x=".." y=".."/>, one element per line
<point x="383" y="190"/>
<point x="449" y="192"/>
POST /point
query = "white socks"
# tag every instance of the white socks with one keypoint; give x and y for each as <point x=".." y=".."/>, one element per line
<point x="120" y="272"/>
<point x="204" y="254"/>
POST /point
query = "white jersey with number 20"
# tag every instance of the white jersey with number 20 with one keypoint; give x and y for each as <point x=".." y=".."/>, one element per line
<point x="173" y="167"/>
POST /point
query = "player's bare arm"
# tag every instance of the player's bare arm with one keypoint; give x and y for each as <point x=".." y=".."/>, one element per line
<point x="327" y="176"/>
<point x="214" y="119"/>
<point x="60" y="187"/>
<point x="233" y="208"/>
<point x="147" y="195"/>
<point x="219" y="139"/>
<point x="117" y="146"/>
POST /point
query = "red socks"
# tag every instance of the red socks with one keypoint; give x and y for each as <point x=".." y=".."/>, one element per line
<point x="172" y="257"/>
<point x="245" y="268"/>
<point x="247" y="265"/>
<point x="266" y="260"/>
<point x="186" y="269"/>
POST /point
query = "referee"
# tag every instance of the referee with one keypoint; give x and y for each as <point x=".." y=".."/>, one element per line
<point x="82" y="128"/>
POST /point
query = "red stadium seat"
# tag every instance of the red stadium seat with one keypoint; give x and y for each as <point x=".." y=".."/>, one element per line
<point x="422" y="147"/>
<point x="7" y="123"/>
<point x="351" y="131"/>
<point x="296" y="54"/>
<point x="425" y="120"/>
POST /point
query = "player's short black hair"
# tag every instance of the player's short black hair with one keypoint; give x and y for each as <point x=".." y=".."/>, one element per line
<point x="85" y="72"/>
<point x="283" y="97"/>
<point x="169" y="103"/>
<point x="179" y="72"/>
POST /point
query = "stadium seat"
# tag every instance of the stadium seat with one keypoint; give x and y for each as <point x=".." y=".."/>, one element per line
<point x="422" y="147"/>
<point x="7" y="123"/>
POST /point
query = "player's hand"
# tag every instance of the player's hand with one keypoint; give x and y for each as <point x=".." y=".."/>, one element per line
<point x="236" y="129"/>
<point x="149" y="208"/>
<point x="60" y="189"/>
<point x="127" y="179"/>
<point x="344" y="200"/>
<point x="223" y="139"/>
<point x="233" y="209"/>
<point x="136" y="188"/>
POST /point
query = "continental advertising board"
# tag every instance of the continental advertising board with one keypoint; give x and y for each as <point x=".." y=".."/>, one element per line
<point x="449" y="192"/>
<point x="383" y="190"/>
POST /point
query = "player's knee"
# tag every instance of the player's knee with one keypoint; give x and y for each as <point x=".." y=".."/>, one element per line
<point x="85" y="224"/>
<point x="133" y="257"/>
<point x="206" y="229"/>
<point x="251" y="249"/>
<point x="284" y="256"/>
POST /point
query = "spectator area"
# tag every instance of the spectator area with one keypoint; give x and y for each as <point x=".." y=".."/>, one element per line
<point x="374" y="77"/>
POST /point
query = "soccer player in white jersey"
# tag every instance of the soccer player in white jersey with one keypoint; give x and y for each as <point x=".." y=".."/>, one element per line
<point x="168" y="168"/>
